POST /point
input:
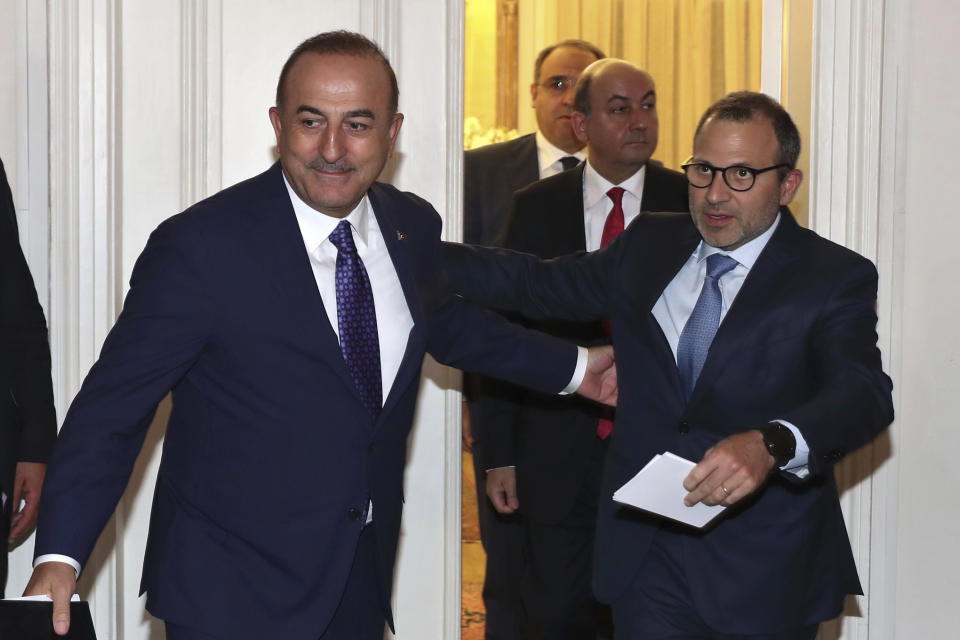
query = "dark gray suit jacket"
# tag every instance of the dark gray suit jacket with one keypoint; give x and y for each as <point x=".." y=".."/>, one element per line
<point x="491" y="176"/>
<point x="28" y="424"/>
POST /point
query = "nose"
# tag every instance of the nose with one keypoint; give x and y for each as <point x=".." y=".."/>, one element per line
<point x="331" y="145"/>
<point x="566" y="98"/>
<point x="718" y="191"/>
<point x="640" y="119"/>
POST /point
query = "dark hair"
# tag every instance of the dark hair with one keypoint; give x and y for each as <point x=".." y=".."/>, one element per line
<point x="581" y="93"/>
<point x="340" y="43"/>
<point x="582" y="45"/>
<point x="741" y="106"/>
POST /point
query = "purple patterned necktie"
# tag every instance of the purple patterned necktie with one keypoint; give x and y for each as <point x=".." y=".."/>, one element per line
<point x="357" y="320"/>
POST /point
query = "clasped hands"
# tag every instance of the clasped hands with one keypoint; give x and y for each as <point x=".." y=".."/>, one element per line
<point x="600" y="381"/>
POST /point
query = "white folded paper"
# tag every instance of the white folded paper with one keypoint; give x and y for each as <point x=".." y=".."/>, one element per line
<point x="44" y="598"/>
<point x="658" y="488"/>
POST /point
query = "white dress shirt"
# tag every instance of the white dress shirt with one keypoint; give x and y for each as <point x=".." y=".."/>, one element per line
<point x="676" y="304"/>
<point x="597" y="206"/>
<point x="549" y="155"/>
<point x="394" y="321"/>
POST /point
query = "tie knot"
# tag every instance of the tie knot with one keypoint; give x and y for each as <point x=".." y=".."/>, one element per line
<point x="342" y="238"/>
<point x="569" y="162"/>
<point x="615" y="194"/>
<point x="718" y="264"/>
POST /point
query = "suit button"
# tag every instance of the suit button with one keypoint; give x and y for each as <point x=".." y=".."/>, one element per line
<point x="353" y="514"/>
<point x="370" y="448"/>
<point x="683" y="426"/>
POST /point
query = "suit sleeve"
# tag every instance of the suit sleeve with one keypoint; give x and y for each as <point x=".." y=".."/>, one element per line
<point x="473" y="339"/>
<point x="853" y="403"/>
<point x="577" y="287"/>
<point x="162" y="329"/>
<point x="27" y="348"/>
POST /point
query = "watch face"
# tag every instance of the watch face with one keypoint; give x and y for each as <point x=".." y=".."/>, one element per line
<point x="780" y="442"/>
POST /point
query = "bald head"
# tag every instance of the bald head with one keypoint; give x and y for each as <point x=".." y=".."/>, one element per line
<point x="616" y="116"/>
<point x="607" y="66"/>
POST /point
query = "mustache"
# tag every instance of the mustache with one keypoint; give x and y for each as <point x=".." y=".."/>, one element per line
<point x="340" y="166"/>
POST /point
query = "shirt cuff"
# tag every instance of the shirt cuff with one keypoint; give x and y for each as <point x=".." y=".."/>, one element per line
<point x="56" y="557"/>
<point x="798" y="464"/>
<point x="579" y="373"/>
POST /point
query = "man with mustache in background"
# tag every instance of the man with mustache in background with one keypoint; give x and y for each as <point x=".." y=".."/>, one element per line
<point x="492" y="174"/>
<point x="545" y="455"/>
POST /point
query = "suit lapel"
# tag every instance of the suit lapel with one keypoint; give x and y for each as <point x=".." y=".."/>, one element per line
<point x="385" y="209"/>
<point x="753" y="301"/>
<point x="569" y="232"/>
<point x="276" y="242"/>
<point x="666" y="259"/>
<point x="525" y="164"/>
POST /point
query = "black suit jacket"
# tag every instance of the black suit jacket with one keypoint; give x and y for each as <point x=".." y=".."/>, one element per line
<point x="546" y="436"/>
<point x="491" y="176"/>
<point x="798" y="344"/>
<point x="28" y="425"/>
<point x="270" y="456"/>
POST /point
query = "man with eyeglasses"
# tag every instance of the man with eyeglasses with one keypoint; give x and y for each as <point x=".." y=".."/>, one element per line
<point x="491" y="176"/>
<point x="743" y="342"/>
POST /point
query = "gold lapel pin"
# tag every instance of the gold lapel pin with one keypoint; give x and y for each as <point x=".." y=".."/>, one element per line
<point x="401" y="235"/>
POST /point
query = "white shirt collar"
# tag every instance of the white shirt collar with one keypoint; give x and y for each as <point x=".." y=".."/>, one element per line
<point x="317" y="227"/>
<point x="747" y="254"/>
<point x="550" y="153"/>
<point x="595" y="186"/>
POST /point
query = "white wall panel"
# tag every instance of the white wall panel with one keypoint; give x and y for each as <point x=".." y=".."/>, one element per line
<point x="257" y="38"/>
<point x="928" y="523"/>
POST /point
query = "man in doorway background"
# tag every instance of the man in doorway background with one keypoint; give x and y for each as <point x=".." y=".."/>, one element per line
<point x="491" y="176"/>
<point x="289" y="314"/>
<point x="745" y="343"/>
<point x="546" y="453"/>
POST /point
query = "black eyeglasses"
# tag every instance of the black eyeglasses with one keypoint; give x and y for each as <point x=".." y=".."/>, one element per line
<point x="737" y="177"/>
<point x="559" y="84"/>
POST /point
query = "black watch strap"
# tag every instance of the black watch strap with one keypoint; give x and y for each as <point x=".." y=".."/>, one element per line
<point x="780" y="442"/>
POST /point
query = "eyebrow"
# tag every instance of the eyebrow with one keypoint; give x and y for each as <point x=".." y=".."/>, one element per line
<point x="617" y="96"/>
<point x="355" y="113"/>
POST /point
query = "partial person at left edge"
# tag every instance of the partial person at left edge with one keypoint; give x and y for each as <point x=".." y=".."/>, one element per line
<point x="289" y="314"/>
<point x="28" y="423"/>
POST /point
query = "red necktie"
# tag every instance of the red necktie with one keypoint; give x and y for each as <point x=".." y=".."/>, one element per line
<point x="611" y="229"/>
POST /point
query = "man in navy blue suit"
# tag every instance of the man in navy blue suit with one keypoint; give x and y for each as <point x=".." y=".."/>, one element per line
<point x="289" y="314"/>
<point x="744" y="342"/>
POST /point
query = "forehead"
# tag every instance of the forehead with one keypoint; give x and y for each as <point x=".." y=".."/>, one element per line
<point x="565" y="61"/>
<point x="725" y="142"/>
<point x="357" y="81"/>
<point x="621" y="80"/>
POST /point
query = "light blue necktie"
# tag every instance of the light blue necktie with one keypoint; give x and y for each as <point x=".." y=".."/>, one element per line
<point x="703" y="322"/>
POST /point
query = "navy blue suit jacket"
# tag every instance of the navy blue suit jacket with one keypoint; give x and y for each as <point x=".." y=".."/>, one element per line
<point x="798" y="344"/>
<point x="269" y="456"/>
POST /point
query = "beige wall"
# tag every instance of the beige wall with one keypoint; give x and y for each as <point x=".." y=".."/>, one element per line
<point x="795" y="88"/>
